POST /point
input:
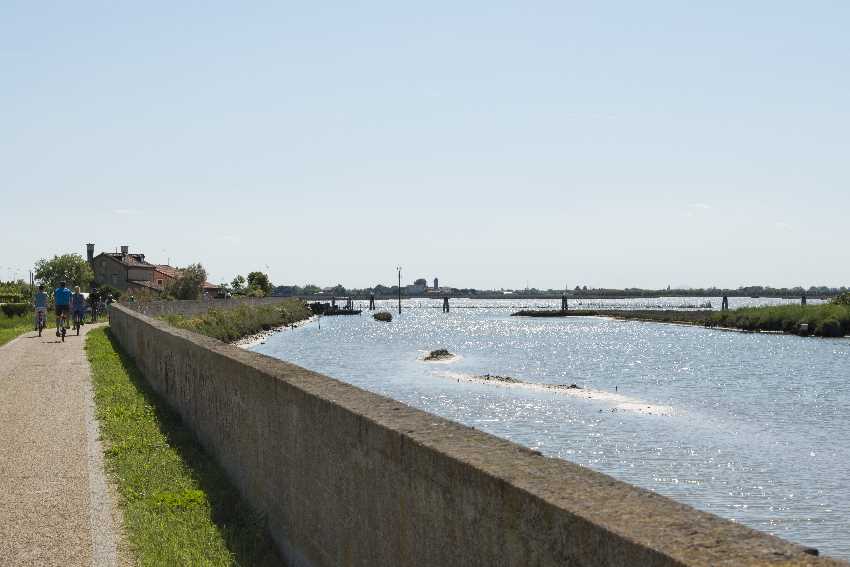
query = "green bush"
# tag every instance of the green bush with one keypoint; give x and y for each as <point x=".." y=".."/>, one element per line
<point x="829" y="328"/>
<point x="384" y="316"/>
<point x="14" y="309"/>
<point x="843" y="299"/>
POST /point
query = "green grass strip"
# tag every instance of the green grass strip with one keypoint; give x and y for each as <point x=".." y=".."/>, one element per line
<point x="11" y="327"/>
<point x="179" y="508"/>
<point x="231" y="324"/>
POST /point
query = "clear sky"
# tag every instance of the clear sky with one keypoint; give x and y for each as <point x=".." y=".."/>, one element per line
<point x="491" y="144"/>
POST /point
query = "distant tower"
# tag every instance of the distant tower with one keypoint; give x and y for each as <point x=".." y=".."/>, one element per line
<point x="436" y="283"/>
<point x="90" y="252"/>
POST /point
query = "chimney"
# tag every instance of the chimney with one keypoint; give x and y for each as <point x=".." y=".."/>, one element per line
<point x="124" y="251"/>
<point x="141" y="257"/>
<point x="90" y="252"/>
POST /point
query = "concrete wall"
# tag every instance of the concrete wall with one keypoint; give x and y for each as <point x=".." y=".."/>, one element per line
<point x="346" y="477"/>
<point x="194" y="307"/>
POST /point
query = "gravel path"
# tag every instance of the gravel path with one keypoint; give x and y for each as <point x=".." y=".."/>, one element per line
<point x="55" y="505"/>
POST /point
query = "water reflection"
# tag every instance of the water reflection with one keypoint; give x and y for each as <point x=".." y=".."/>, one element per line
<point x="758" y="432"/>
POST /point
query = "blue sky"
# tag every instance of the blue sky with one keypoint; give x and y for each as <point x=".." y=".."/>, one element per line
<point x="487" y="143"/>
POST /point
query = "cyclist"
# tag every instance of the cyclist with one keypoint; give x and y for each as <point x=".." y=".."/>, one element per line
<point x="62" y="300"/>
<point x="40" y="307"/>
<point x="78" y="305"/>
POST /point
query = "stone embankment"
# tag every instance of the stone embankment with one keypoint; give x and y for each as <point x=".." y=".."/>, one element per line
<point x="347" y="477"/>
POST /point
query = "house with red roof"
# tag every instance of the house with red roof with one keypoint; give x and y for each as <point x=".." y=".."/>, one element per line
<point x="132" y="273"/>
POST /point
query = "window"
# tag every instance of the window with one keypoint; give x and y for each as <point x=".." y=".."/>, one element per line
<point x="158" y="282"/>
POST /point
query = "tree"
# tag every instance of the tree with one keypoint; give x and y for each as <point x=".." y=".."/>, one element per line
<point x="311" y="289"/>
<point x="339" y="289"/>
<point x="258" y="281"/>
<point x="189" y="283"/>
<point x="70" y="268"/>
<point x="238" y="284"/>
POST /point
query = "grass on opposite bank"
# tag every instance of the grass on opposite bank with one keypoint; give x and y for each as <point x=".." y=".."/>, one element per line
<point x="827" y="320"/>
<point x="11" y="327"/>
<point x="232" y="324"/>
<point x="178" y="507"/>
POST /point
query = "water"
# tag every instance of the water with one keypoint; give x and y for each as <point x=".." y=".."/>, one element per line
<point x="752" y="427"/>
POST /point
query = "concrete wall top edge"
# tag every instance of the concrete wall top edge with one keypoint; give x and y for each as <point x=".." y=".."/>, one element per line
<point x="653" y="521"/>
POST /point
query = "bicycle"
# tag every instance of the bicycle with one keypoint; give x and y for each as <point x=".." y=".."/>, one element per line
<point x="61" y="322"/>
<point x="78" y="321"/>
<point x="41" y="320"/>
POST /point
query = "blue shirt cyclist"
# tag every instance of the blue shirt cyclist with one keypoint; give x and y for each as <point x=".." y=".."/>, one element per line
<point x="62" y="302"/>
<point x="62" y="296"/>
<point x="41" y="298"/>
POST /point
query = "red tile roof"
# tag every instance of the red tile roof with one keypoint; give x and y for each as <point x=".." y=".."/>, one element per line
<point x="169" y="271"/>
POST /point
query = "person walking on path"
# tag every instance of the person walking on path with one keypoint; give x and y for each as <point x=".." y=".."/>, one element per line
<point x="55" y="508"/>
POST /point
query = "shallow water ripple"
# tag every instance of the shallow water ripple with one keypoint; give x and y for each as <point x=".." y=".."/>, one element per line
<point x="760" y="428"/>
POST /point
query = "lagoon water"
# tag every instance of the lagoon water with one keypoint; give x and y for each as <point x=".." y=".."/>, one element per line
<point x="752" y="427"/>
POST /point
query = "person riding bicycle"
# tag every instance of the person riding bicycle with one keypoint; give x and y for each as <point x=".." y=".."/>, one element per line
<point x="78" y="305"/>
<point x="62" y="300"/>
<point x="40" y="306"/>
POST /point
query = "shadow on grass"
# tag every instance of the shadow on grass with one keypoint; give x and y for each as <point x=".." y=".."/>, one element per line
<point x="243" y="530"/>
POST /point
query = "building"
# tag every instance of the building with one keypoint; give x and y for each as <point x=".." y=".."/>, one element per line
<point x="121" y="270"/>
<point x="131" y="273"/>
<point x="418" y="287"/>
<point x="436" y="283"/>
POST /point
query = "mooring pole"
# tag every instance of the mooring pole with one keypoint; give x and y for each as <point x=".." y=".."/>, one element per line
<point x="803" y="299"/>
<point x="399" y="289"/>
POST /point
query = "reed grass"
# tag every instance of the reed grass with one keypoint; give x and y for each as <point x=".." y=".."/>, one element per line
<point x="229" y="325"/>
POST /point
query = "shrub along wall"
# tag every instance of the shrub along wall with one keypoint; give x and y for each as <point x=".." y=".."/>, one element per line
<point x="347" y="477"/>
<point x="15" y="309"/>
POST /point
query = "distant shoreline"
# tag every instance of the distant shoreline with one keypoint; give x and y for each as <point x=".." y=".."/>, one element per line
<point x="552" y="297"/>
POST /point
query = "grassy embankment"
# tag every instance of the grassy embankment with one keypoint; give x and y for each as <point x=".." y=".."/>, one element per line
<point x="826" y="320"/>
<point x="178" y="506"/>
<point x="11" y="327"/>
<point x="232" y="324"/>
<point x="823" y="320"/>
<point x="689" y="317"/>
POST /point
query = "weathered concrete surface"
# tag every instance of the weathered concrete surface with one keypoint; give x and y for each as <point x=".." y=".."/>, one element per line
<point x="55" y="506"/>
<point x="346" y="477"/>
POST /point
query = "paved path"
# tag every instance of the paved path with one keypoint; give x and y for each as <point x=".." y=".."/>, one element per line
<point x="55" y="508"/>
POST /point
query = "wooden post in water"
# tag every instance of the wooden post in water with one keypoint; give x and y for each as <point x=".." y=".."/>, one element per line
<point x="446" y="304"/>
<point x="724" y="305"/>
<point x="371" y="301"/>
<point x="399" y="289"/>
<point x="564" y="303"/>
<point x="803" y="299"/>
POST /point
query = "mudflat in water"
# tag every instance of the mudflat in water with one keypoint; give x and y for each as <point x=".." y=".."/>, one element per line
<point x="752" y="427"/>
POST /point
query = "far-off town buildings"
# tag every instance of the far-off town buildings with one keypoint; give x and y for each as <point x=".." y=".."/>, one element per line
<point x="420" y="287"/>
<point x="132" y="273"/>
